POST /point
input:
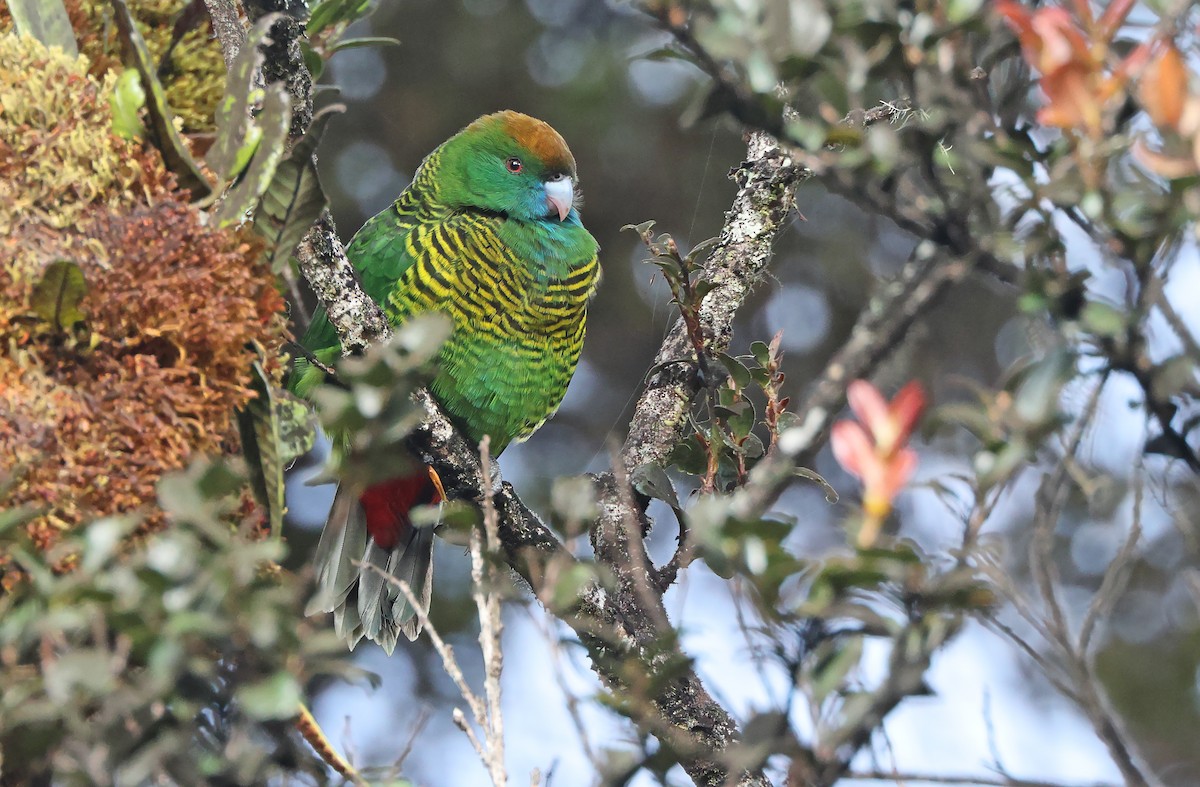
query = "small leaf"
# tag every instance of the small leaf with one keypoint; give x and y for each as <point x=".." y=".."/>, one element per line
<point x="45" y="20"/>
<point x="312" y="60"/>
<point x="642" y="229"/>
<point x="666" y="53"/>
<point x="261" y="425"/>
<point x="761" y="353"/>
<point x="265" y="141"/>
<point x="174" y="152"/>
<point x="453" y="515"/>
<point x="233" y="119"/>
<point x="297" y="426"/>
<point x="834" y="663"/>
<point x="329" y="13"/>
<point x="1103" y="320"/>
<point x="574" y="499"/>
<point x="831" y="495"/>
<point x="688" y="456"/>
<point x="57" y="296"/>
<point x="652" y="481"/>
<point x="355" y="43"/>
<point x="126" y="101"/>
<point x="275" y="698"/>
<point x="294" y="199"/>
<point x="737" y="370"/>
<point x="1172" y="376"/>
<point x="701" y="248"/>
<point x="1163" y="88"/>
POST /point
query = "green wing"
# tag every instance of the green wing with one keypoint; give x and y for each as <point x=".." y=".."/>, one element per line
<point x="378" y="252"/>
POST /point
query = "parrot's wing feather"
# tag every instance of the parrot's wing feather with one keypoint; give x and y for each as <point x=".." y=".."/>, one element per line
<point x="343" y="541"/>
<point x="415" y="568"/>
<point x="373" y="589"/>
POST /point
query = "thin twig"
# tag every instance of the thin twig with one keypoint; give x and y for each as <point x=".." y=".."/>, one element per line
<point x="449" y="662"/>
<point x="1117" y="574"/>
<point x="485" y="591"/>
<point x="985" y="781"/>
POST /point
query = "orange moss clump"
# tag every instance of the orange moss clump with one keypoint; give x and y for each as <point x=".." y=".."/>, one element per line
<point x="91" y="415"/>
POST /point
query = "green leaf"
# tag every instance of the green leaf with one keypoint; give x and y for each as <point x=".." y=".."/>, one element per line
<point x="737" y="370"/>
<point x="175" y="154"/>
<point x="742" y="422"/>
<point x="666" y="53"/>
<point x="1036" y="398"/>
<point x="126" y="101"/>
<point x="294" y="199"/>
<point x="453" y="515"/>
<point x="688" y="456"/>
<point x="275" y="428"/>
<point x="761" y="352"/>
<point x="11" y="517"/>
<point x="328" y="13"/>
<point x="642" y="229"/>
<point x="835" y="659"/>
<point x="1103" y="320"/>
<point x="355" y="43"/>
<point x="831" y="495"/>
<point x="574" y="499"/>
<point x="1172" y="376"/>
<point x="57" y="296"/>
<point x="652" y="481"/>
<point x="701" y="248"/>
<point x="265" y="141"/>
<point x="45" y="20"/>
<point x="275" y="698"/>
<point x="312" y="60"/>
<point x="233" y="118"/>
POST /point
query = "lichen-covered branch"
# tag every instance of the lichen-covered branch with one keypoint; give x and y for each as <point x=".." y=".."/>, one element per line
<point x="357" y="318"/>
<point x="227" y="24"/>
<point x="767" y="181"/>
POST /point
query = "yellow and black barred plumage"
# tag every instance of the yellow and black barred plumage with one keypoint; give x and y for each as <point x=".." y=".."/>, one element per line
<point x="486" y="234"/>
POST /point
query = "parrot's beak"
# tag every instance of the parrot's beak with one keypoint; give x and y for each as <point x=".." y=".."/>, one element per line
<point x="561" y="194"/>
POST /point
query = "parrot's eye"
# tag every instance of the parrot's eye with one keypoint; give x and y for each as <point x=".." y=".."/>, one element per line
<point x="513" y="164"/>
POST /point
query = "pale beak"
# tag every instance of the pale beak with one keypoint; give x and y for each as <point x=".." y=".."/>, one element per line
<point x="561" y="194"/>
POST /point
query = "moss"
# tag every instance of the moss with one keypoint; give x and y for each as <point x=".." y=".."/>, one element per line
<point x="96" y="415"/>
<point x="58" y="155"/>
<point x="194" y="77"/>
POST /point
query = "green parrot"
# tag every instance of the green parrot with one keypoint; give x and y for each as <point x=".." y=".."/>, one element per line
<point x="489" y="234"/>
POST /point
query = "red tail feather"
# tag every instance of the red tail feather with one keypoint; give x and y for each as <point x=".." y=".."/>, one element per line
<point x="387" y="504"/>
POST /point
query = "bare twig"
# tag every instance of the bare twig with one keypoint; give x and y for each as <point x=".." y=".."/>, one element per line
<point x="900" y="777"/>
<point x="485" y="591"/>
<point x="1082" y="684"/>
<point x="1117" y="574"/>
<point x="444" y="651"/>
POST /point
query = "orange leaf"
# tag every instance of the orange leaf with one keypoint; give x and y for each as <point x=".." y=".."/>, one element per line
<point x="1163" y="89"/>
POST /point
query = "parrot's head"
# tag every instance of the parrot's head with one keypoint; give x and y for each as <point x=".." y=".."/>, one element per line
<point x="512" y="164"/>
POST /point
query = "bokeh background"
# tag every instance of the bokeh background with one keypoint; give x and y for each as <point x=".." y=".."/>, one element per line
<point x="642" y="155"/>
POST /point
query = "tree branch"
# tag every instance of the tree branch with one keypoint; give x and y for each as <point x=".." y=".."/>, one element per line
<point x="227" y="24"/>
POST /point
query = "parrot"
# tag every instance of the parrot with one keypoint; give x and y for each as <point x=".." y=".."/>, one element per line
<point x="489" y="234"/>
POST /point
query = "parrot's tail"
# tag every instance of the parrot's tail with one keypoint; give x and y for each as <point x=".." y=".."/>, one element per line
<point x="367" y="540"/>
